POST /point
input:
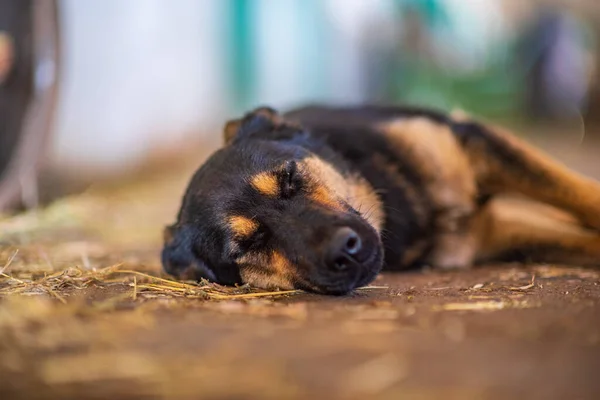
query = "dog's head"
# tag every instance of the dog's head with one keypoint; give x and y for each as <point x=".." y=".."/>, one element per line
<point x="267" y="211"/>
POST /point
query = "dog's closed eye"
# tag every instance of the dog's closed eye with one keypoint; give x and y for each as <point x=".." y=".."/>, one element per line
<point x="248" y="233"/>
<point x="256" y="241"/>
<point x="290" y="180"/>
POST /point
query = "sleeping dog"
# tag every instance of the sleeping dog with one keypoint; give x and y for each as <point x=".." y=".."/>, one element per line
<point x="321" y="199"/>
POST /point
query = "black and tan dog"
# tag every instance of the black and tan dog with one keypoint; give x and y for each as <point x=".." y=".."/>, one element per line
<point x="313" y="200"/>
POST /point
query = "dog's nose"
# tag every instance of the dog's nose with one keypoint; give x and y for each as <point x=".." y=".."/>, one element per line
<point x="344" y="245"/>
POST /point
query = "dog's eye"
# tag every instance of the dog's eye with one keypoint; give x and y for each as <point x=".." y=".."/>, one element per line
<point x="257" y="240"/>
<point x="290" y="180"/>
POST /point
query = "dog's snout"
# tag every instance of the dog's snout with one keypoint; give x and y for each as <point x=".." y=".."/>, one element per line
<point x="344" y="245"/>
<point x="176" y="258"/>
<point x="180" y="261"/>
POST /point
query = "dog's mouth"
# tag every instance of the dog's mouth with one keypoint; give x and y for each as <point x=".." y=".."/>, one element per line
<point x="355" y="274"/>
<point x="373" y="263"/>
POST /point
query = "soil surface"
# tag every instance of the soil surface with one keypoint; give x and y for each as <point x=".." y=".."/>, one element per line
<point x="68" y="330"/>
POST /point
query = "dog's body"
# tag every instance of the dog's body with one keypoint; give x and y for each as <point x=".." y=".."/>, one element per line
<point x="325" y="190"/>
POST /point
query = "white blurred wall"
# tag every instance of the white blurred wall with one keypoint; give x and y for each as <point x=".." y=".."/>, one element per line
<point x="136" y="75"/>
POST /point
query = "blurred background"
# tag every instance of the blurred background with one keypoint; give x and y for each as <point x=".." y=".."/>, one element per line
<point x="108" y="85"/>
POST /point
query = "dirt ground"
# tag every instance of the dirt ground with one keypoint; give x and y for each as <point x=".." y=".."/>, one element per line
<point x="79" y="319"/>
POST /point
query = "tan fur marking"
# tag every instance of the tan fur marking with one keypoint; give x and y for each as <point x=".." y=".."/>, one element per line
<point x="230" y="130"/>
<point x="325" y="175"/>
<point x="511" y="223"/>
<point x="332" y="188"/>
<point x="272" y="271"/>
<point x="242" y="227"/>
<point x="443" y="163"/>
<point x="363" y="198"/>
<point x="261" y="279"/>
<point x="449" y="180"/>
<point x="280" y="263"/>
<point x="569" y="190"/>
<point x="266" y="184"/>
<point x="7" y="55"/>
<point x="321" y="195"/>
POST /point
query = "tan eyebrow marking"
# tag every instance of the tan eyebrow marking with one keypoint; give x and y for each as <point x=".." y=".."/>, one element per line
<point x="266" y="183"/>
<point x="242" y="227"/>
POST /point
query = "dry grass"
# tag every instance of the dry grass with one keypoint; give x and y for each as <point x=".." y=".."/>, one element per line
<point x="60" y="283"/>
<point x="139" y="285"/>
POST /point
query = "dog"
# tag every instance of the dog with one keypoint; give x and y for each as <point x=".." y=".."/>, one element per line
<point x="323" y="198"/>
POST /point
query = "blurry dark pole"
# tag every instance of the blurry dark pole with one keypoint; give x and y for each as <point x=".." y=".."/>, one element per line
<point x="29" y="49"/>
<point x="538" y="43"/>
<point x="553" y="54"/>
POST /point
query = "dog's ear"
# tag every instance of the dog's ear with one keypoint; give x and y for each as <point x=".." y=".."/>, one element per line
<point x="261" y="118"/>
